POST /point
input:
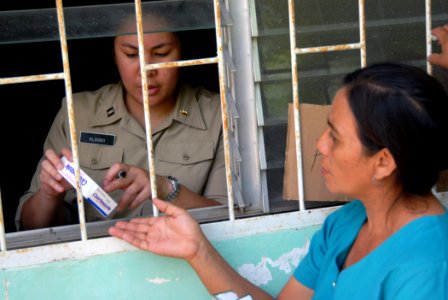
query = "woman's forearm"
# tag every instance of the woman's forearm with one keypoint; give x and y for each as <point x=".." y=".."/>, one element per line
<point x="218" y="276"/>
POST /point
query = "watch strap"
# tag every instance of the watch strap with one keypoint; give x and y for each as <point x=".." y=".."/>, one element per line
<point x="175" y="184"/>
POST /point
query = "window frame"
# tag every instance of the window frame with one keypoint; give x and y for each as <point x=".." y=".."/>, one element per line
<point x="246" y="154"/>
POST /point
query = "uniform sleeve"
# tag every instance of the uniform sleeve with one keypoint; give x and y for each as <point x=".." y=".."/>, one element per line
<point x="419" y="282"/>
<point x="56" y="139"/>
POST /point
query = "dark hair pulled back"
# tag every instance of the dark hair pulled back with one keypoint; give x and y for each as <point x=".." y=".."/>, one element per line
<point x="405" y="110"/>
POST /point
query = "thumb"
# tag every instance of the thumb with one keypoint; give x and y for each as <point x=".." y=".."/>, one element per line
<point x="435" y="59"/>
<point x="67" y="153"/>
<point x="166" y="207"/>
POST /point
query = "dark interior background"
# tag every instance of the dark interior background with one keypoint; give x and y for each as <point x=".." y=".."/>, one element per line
<point x="28" y="109"/>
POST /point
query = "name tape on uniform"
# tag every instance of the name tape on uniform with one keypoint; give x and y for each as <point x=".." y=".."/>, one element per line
<point x="97" y="138"/>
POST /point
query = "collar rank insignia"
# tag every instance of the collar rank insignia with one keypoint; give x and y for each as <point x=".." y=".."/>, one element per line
<point x="110" y="111"/>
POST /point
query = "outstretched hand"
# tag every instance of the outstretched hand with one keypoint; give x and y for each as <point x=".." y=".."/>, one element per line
<point x="176" y="234"/>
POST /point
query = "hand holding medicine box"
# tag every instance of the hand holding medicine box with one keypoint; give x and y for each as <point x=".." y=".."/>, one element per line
<point x="90" y="190"/>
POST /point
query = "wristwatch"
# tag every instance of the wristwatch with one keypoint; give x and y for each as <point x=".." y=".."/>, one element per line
<point x="175" y="184"/>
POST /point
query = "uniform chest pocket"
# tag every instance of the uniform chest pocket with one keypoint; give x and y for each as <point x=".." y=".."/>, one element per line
<point x="184" y="153"/>
<point x="96" y="157"/>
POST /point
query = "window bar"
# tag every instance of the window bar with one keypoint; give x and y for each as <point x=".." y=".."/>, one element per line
<point x="147" y="67"/>
<point x="225" y="123"/>
<point x="295" y="93"/>
<point x="181" y="63"/>
<point x="71" y="119"/>
<point x="295" y="80"/>
<point x="428" y="24"/>
<point x="141" y="51"/>
<point x="31" y="78"/>
<point x="362" y="32"/>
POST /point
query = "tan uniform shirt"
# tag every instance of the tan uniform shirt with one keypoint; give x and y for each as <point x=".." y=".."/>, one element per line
<point x="188" y="145"/>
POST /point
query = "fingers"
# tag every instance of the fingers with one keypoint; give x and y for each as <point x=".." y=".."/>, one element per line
<point x="50" y="169"/>
<point x="133" y="239"/>
<point x="49" y="174"/>
<point x="135" y="184"/>
<point x="67" y="153"/>
<point x="168" y="208"/>
<point x="54" y="159"/>
<point x="140" y="225"/>
<point x="129" y="174"/>
<point x="440" y="59"/>
<point x="134" y="195"/>
<point x="150" y="221"/>
<point x="111" y="174"/>
<point x="441" y="33"/>
<point x="437" y="59"/>
<point x="124" y="226"/>
<point x="143" y="194"/>
<point x="136" y="232"/>
<point x="53" y="183"/>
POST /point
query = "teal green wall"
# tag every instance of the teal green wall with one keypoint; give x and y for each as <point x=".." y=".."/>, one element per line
<point x="142" y="275"/>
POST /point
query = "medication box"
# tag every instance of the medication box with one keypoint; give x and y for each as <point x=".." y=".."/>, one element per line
<point x="90" y="190"/>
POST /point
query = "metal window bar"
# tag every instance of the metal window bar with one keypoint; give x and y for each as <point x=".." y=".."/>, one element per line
<point x="295" y="80"/>
<point x="219" y="59"/>
<point x="428" y="25"/>
<point x="71" y="119"/>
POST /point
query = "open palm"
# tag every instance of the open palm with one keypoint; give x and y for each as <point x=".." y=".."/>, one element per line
<point x="176" y="234"/>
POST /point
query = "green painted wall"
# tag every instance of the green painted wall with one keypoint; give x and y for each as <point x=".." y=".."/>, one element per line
<point x="142" y="275"/>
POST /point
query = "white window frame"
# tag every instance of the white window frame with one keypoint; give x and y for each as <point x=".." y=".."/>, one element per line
<point x="240" y="94"/>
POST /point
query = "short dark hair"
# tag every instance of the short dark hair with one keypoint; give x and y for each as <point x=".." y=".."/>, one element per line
<point x="403" y="109"/>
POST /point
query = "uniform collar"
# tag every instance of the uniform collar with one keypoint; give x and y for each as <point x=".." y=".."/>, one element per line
<point x="187" y="110"/>
<point x="111" y="107"/>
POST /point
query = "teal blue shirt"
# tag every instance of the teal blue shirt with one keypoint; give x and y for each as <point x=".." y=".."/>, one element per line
<point x="411" y="264"/>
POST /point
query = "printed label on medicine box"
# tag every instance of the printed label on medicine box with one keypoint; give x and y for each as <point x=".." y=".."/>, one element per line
<point x="90" y="190"/>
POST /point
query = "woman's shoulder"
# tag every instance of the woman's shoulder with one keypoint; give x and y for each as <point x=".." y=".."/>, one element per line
<point x="207" y="101"/>
<point x="351" y="214"/>
<point x="420" y="245"/>
<point x="352" y="208"/>
<point x="202" y="95"/>
<point x="89" y="101"/>
<point x="108" y="91"/>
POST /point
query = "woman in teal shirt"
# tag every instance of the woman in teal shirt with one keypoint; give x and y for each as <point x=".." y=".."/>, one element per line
<point x="410" y="264"/>
<point x="384" y="146"/>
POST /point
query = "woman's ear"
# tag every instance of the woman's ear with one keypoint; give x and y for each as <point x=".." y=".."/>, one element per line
<point x="385" y="164"/>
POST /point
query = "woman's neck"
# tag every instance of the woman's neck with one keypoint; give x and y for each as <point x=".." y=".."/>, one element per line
<point x="391" y="211"/>
<point x="387" y="215"/>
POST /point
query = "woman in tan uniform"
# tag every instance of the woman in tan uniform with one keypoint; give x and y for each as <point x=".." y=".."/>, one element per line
<point x="186" y="132"/>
